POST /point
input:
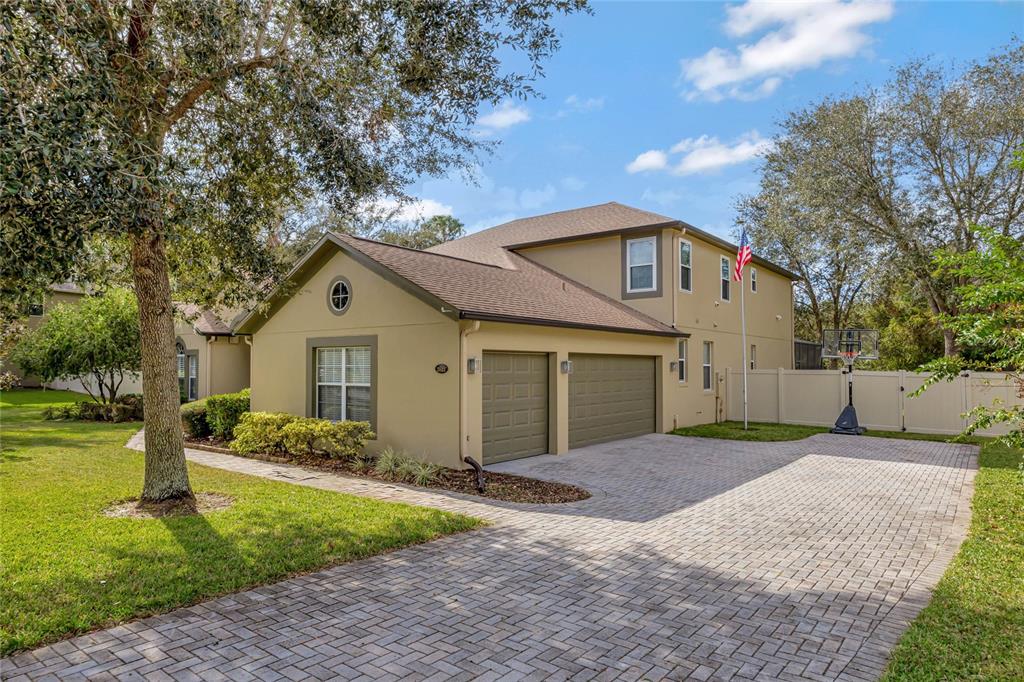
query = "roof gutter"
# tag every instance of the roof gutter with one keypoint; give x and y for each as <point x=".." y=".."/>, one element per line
<point x="492" y="317"/>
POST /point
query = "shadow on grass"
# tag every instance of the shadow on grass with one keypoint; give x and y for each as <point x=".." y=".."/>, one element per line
<point x="144" y="574"/>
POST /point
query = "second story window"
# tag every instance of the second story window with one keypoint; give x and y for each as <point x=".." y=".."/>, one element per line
<point x="641" y="265"/>
<point x="726" y="278"/>
<point x="685" y="266"/>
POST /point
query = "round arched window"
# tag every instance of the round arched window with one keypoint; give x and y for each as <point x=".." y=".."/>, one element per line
<point x="179" y="347"/>
<point x="339" y="295"/>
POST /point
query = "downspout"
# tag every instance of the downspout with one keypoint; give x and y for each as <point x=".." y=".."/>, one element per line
<point x="463" y="390"/>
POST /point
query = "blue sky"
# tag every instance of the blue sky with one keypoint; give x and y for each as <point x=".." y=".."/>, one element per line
<point x="665" y="106"/>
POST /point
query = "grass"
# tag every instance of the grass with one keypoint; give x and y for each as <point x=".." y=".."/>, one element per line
<point x="973" y="629"/>
<point x="974" y="626"/>
<point x="67" y="568"/>
<point x="766" y="431"/>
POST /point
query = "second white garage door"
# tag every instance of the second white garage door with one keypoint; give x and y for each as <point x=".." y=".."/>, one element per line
<point x="610" y="397"/>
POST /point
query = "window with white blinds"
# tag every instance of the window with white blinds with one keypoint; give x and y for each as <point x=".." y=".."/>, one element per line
<point x="343" y="383"/>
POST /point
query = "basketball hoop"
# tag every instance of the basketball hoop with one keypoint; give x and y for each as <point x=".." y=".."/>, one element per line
<point x="849" y="345"/>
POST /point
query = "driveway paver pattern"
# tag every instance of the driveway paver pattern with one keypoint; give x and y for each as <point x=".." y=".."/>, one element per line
<point x="694" y="559"/>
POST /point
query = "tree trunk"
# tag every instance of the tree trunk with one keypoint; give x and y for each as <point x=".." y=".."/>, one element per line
<point x="949" y="345"/>
<point x="166" y="474"/>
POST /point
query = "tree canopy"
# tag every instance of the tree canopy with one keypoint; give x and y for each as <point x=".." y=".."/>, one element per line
<point x="159" y="142"/>
<point x="888" y="176"/>
<point x="430" y="232"/>
<point x="96" y="341"/>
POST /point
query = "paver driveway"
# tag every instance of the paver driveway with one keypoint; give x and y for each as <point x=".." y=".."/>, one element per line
<point x="695" y="559"/>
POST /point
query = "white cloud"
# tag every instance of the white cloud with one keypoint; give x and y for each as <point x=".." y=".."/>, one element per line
<point x="505" y="115"/>
<point x="577" y="104"/>
<point x="805" y="35"/>
<point x="652" y="160"/>
<point x="409" y="211"/>
<point x="530" y="199"/>
<point x="664" y="197"/>
<point x="571" y="183"/>
<point x="702" y="154"/>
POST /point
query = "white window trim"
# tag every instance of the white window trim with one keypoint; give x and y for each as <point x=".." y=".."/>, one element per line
<point x="344" y="383"/>
<point x="690" y="266"/>
<point x="654" y="265"/>
<point x="708" y="363"/>
<point x="726" y="278"/>
<point x="753" y="280"/>
<point x="684" y="367"/>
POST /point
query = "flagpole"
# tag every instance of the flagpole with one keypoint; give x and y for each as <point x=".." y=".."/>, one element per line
<point x="743" y="335"/>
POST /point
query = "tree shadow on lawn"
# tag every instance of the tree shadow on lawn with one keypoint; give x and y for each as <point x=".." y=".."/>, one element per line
<point x="147" y="575"/>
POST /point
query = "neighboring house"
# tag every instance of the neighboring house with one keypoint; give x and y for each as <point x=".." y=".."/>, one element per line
<point x="537" y="336"/>
<point x="211" y="359"/>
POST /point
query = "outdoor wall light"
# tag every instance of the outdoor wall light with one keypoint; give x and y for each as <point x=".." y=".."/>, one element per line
<point x="471" y="364"/>
<point x="566" y="366"/>
<point x="673" y="365"/>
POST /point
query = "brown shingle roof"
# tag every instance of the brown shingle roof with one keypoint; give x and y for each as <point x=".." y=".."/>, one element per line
<point x="493" y="244"/>
<point x="205" y="322"/>
<point x="489" y="246"/>
<point x="522" y="292"/>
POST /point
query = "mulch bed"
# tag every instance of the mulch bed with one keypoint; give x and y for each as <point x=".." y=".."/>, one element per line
<point x="500" y="486"/>
<point x="132" y="509"/>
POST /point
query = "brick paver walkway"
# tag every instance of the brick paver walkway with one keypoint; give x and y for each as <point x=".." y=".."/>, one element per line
<point x="694" y="559"/>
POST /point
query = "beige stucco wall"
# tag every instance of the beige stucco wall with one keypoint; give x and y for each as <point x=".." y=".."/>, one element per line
<point x="701" y="312"/>
<point x="417" y="408"/>
<point x="228" y="364"/>
<point x="559" y="343"/>
<point x="53" y="298"/>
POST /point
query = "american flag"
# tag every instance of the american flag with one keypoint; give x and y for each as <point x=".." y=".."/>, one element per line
<point x="743" y="256"/>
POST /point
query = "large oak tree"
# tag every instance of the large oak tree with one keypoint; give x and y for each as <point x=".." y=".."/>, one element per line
<point x="161" y="142"/>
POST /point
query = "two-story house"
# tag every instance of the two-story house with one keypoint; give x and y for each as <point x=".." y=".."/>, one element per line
<point x="537" y="336"/>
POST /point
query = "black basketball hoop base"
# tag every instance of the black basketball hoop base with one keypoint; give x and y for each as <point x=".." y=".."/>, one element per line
<point x="847" y="423"/>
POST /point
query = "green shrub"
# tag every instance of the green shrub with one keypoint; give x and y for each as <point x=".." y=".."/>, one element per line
<point x="193" y="419"/>
<point x="387" y="463"/>
<point x="349" y="438"/>
<point x="424" y="473"/>
<point x="261" y="432"/>
<point x="225" y="410"/>
<point x="65" y="412"/>
<point x="307" y="436"/>
<point x="363" y="462"/>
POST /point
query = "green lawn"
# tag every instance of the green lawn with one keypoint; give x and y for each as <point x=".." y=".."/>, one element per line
<point x="67" y="568"/>
<point x="973" y="629"/>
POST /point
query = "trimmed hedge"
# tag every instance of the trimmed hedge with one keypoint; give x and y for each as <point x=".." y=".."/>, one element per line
<point x="193" y="419"/>
<point x="310" y="436"/>
<point x="127" y="408"/>
<point x="261" y="432"/>
<point x="277" y="432"/>
<point x="224" y="411"/>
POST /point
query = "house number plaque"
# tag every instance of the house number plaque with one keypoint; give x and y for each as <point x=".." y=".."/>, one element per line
<point x="441" y="368"/>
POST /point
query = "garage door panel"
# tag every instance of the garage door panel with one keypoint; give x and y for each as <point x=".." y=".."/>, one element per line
<point x="515" y="406"/>
<point x="610" y="397"/>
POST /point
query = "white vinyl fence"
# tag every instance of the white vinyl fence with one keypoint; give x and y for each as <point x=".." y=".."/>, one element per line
<point x="882" y="399"/>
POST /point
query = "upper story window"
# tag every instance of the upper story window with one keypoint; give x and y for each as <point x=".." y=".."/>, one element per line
<point x="641" y="265"/>
<point x="726" y="278"/>
<point x="339" y="295"/>
<point x="753" y="280"/>
<point x="685" y="265"/>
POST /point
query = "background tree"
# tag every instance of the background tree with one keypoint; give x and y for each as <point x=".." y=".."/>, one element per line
<point x="913" y="166"/>
<point x="430" y="232"/>
<point x="990" y="324"/>
<point x="834" y="260"/>
<point x="95" y="341"/>
<point x="171" y="137"/>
